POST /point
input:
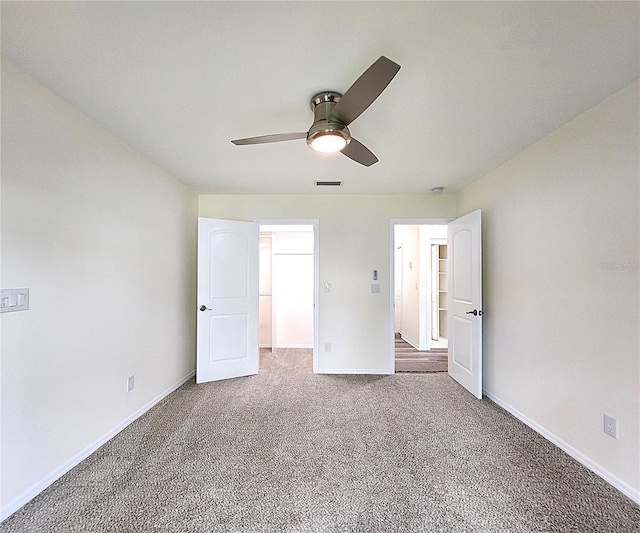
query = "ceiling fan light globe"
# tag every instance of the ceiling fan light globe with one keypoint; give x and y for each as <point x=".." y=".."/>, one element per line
<point x="328" y="143"/>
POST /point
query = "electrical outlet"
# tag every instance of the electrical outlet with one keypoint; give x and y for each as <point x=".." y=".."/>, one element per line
<point x="611" y="426"/>
<point x="327" y="346"/>
<point x="131" y="383"/>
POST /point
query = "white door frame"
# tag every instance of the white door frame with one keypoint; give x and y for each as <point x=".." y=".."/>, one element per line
<point x="393" y="223"/>
<point x="316" y="254"/>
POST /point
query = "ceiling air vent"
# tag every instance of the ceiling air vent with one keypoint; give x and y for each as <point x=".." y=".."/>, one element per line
<point x="328" y="183"/>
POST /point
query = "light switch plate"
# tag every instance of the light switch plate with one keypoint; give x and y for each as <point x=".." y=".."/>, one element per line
<point x="14" y="300"/>
<point x="375" y="288"/>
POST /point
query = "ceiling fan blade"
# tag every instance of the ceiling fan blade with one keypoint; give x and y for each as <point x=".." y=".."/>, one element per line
<point x="277" y="137"/>
<point x="365" y="90"/>
<point x="359" y="153"/>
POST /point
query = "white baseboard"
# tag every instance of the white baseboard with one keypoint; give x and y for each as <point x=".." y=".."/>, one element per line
<point x="293" y="346"/>
<point x="286" y="346"/>
<point x="623" y="487"/>
<point x="38" y="487"/>
<point x="354" y="371"/>
<point x="410" y="341"/>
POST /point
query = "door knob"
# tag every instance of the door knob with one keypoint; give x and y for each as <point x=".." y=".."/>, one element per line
<point x="204" y="308"/>
<point x="475" y="312"/>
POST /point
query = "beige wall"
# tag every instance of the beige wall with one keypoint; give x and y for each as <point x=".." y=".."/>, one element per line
<point x="354" y="239"/>
<point x="106" y="243"/>
<point x="560" y="254"/>
<point x="409" y="238"/>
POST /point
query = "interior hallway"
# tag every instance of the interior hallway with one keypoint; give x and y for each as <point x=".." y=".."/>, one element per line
<point x="409" y="359"/>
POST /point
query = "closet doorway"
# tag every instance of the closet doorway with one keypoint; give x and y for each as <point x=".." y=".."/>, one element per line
<point x="287" y="297"/>
<point x="439" y="289"/>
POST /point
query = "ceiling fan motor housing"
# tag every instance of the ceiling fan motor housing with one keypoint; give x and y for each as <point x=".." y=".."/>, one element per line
<point x="322" y="105"/>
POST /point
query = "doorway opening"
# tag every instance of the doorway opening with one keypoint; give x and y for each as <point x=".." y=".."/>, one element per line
<point x="287" y="288"/>
<point x="419" y="295"/>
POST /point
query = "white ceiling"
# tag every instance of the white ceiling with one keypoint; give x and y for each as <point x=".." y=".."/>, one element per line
<point x="479" y="82"/>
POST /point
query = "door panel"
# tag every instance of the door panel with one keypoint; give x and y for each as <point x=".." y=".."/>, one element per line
<point x="461" y="291"/>
<point x="462" y="332"/>
<point x="465" y="302"/>
<point x="227" y="338"/>
<point x="228" y="269"/>
<point x="227" y="343"/>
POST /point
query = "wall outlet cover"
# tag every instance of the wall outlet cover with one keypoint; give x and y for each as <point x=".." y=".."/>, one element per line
<point x="611" y="426"/>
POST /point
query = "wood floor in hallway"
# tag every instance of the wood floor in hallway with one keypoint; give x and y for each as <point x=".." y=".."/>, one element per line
<point x="408" y="359"/>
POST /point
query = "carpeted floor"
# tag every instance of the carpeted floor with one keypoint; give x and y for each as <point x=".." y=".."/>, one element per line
<point x="290" y="451"/>
<point x="408" y="359"/>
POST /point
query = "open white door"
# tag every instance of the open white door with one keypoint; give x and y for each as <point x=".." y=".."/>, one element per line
<point x="227" y="345"/>
<point x="465" y="302"/>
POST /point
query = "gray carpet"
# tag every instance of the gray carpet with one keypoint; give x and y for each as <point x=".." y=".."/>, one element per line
<point x="290" y="451"/>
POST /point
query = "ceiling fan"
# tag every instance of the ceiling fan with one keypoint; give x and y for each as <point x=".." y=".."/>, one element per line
<point x="333" y="112"/>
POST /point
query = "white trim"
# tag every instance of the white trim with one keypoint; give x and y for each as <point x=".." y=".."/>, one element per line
<point x="353" y="371"/>
<point x="408" y="341"/>
<point x="38" y="487"/>
<point x="424" y="298"/>
<point x="293" y="346"/>
<point x="623" y="487"/>
<point x="422" y="221"/>
<point x="392" y="319"/>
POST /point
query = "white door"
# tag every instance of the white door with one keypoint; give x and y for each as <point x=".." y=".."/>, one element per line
<point x="227" y="338"/>
<point x="465" y="302"/>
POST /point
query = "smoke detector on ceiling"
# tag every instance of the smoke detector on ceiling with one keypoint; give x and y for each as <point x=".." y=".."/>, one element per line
<point x="437" y="190"/>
